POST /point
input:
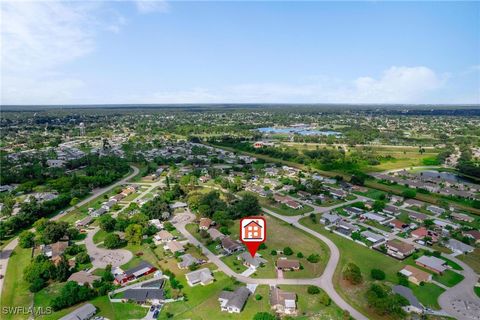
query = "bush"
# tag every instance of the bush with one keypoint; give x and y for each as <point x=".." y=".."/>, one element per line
<point x="273" y="252"/>
<point x="258" y="297"/>
<point x="287" y="251"/>
<point x="377" y="274"/>
<point x="26" y="239"/>
<point x="112" y="241"/>
<point x="300" y="255"/>
<point x="264" y="316"/>
<point x="82" y="257"/>
<point x="313" y="258"/>
<point x="37" y="285"/>
<point x="324" y="299"/>
<point x="352" y="273"/>
<point x="313" y="290"/>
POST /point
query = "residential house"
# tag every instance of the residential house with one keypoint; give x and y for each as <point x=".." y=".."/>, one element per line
<point x="414" y="203"/>
<point x="436" y="210"/>
<point x="51" y="163"/>
<point x="346" y="228"/>
<point x="462" y="217"/>
<point x="215" y="234"/>
<point x="231" y="246"/>
<point x="389" y="209"/>
<point x="250" y="262"/>
<point x="150" y="292"/>
<point x="178" y="205"/>
<point x="432" y="263"/>
<point x="328" y="218"/>
<point x="187" y="261"/>
<point x="459" y="247"/>
<point x="398" y="225"/>
<point x="293" y="204"/>
<point x="283" y="302"/>
<point x="422" y="232"/>
<point x="205" y="223"/>
<point x="164" y="236"/>
<point x="417" y="216"/>
<point x="288" y="265"/>
<point x="399" y="249"/>
<point x="84" y="222"/>
<point x="84" y="312"/>
<point x="416" y="275"/>
<point x="234" y="301"/>
<point x="353" y="210"/>
<point x="473" y="234"/>
<point x="174" y="246"/>
<point x="142" y="269"/>
<point x="82" y="277"/>
<point x="374" y="238"/>
<point x="373" y="217"/>
<point x="55" y="250"/>
<point x="200" y="276"/>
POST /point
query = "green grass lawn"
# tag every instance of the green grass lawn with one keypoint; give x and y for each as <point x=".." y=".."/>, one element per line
<point x="202" y="301"/>
<point x="448" y="278"/>
<point x="428" y="294"/>
<point x="280" y="208"/>
<point x="309" y="307"/>
<point x="472" y="259"/>
<point x="99" y="236"/>
<point x="280" y="235"/>
<point x="372" y="193"/>
<point x="15" y="290"/>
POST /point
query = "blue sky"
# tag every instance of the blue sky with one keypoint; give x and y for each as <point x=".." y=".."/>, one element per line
<point x="202" y="52"/>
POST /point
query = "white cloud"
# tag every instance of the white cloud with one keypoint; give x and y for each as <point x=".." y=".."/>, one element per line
<point x="38" y="38"/>
<point x="149" y="6"/>
<point x="395" y="85"/>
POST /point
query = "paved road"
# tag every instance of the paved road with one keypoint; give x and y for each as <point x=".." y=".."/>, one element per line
<point x="101" y="256"/>
<point x="7" y="251"/>
<point x="324" y="281"/>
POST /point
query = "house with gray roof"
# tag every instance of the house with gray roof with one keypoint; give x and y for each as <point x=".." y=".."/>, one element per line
<point x="328" y="218"/>
<point x="250" y="262"/>
<point x="201" y="276"/>
<point x="85" y="312"/>
<point x="215" y="234"/>
<point x="234" y="301"/>
<point x="187" y="261"/>
<point x="432" y="263"/>
<point x="373" y="237"/>
<point x="459" y="247"/>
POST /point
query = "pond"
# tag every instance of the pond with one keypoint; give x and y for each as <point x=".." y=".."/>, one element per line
<point x="447" y="176"/>
<point x="304" y="131"/>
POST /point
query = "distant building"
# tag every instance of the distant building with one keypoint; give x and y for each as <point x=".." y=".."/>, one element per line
<point x="205" y="223"/>
<point x="55" y="163"/>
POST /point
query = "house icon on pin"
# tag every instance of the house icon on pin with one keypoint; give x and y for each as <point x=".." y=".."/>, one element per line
<point x="253" y="231"/>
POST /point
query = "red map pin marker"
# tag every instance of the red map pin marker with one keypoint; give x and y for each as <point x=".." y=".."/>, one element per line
<point x="253" y="232"/>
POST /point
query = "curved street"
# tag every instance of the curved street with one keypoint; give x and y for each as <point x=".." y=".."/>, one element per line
<point x="8" y="249"/>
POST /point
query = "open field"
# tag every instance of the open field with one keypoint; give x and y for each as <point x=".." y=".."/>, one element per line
<point x="280" y="208"/>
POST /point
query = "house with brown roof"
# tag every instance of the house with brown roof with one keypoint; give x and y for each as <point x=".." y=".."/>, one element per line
<point x="473" y="234"/>
<point x="288" y="265"/>
<point x="174" y="246"/>
<point x="422" y="233"/>
<point x="416" y="275"/>
<point x="398" y="225"/>
<point x="56" y="249"/>
<point x="205" y="223"/>
<point x="399" y="249"/>
<point x="82" y="277"/>
<point x="231" y="246"/>
<point x="164" y="236"/>
<point x="283" y="302"/>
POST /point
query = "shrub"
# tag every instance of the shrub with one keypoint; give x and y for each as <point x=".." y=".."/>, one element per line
<point x="287" y="251"/>
<point x="352" y="273"/>
<point x="300" y="255"/>
<point x="82" y="257"/>
<point x="324" y="299"/>
<point x="258" y="297"/>
<point x="273" y="252"/>
<point x="377" y="274"/>
<point x="313" y="258"/>
<point x="313" y="290"/>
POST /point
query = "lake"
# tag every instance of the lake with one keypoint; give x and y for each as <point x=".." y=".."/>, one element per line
<point x="304" y="131"/>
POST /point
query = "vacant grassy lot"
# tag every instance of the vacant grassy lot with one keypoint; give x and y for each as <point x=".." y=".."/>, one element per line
<point x="280" y="235"/>
<point x="449" y="278"/>
<point x="15" y="290"/>
<point x="472" y="259"/>
<point x="282" y="209"/>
